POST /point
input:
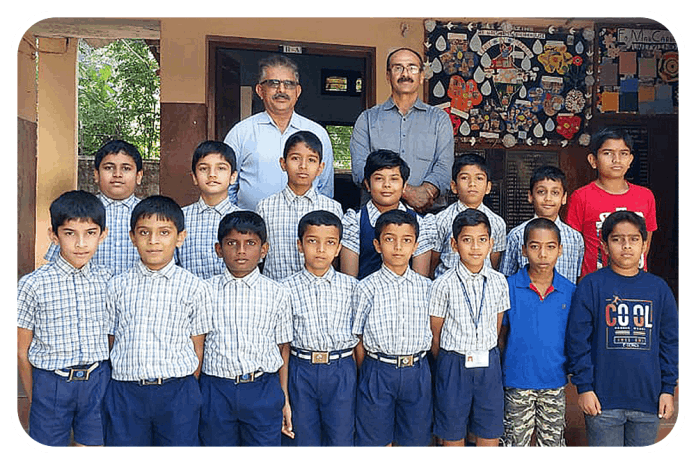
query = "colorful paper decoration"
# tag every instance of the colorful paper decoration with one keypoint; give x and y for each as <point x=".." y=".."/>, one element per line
<point x="514" y="84"/>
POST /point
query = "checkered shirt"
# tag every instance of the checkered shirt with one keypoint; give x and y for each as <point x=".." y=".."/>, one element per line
<point x="66" y="309"/>
<point x="568" y="264"/>
<point x="391" y="312"/>
<point x="449" y="302"/>
<point x="351" y="228"/>
<point x="443" y="233"/>
<point x="197" y="253"/>
<point x="282" y="212"/>
<point x="116" y="252"/>
<point x="153" y="315"/>
<point x="322" y="315"/>
<point x="251" y="317"/>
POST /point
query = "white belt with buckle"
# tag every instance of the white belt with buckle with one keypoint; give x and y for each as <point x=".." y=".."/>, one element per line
<point x="246" y="378"/>
<point x="320" y="357"/>
<point x="77" y="374"/>
<point x="398" y="360"/>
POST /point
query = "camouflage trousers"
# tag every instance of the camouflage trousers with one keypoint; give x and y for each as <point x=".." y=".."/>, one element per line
<point x="530" y="410"/>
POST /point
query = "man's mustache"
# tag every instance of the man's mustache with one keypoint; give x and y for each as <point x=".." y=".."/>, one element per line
<point x="404" y="79"/>
<point x="281" y="95"/>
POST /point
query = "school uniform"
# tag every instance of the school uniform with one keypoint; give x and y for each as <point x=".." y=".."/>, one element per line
<point x="197" y="253"/>
<point x="282" y="212"/>
<point x="64" y="307"/>
<point x="322" y="372"/>
<point x="116" y="252"/>
<point x="153" y="398"/>
<point x="468" y="379"/>
<point x="394" y="398"/>
<point x="359" y="232"/>
<point x="242" y="397"/>
<point x="443" y="235"/>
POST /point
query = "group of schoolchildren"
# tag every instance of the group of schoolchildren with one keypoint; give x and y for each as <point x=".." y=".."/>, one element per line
<point x="156" y="325"/>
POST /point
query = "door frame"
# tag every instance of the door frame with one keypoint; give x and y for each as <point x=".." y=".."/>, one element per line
<point x="214" y="42"/>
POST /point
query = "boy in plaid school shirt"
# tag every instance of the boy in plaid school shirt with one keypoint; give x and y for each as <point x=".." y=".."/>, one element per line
<point x="118" y="169"/>
<point x="158" y="315"/>
<point x="302" y="162"/>
<point x="245" y="400"/>
<point x="322" y="371"/>
<point x="466" y="311"/>
<point x="213" y="169"/>
<point x="62" y="344"/>
<point x="390" y="317"/>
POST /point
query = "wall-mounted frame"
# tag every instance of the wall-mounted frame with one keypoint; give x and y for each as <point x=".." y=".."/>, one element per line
<point x="341" y="82"/>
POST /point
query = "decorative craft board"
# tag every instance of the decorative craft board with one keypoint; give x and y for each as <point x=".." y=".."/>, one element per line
<point x="510" y="84"/>
<point x="637" y="71"/>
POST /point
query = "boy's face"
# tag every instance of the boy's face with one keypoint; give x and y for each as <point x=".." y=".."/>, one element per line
<point x="117" y="176"/>
<point x="547" y="197"/>
<point x="320" y="245"/>
<point x="156" y="240"/>
<point x="612" y="160"/>
<point x="396" y="244"/>
<point x="385" y="186"/>
<point x="542" y="250"/>
<point x="471" y="185"/>
<point x="213" y="174"/>
<point x="625" y="246"/>
<point x="241" y="252"/>
<point x="473" y="245"/>
<point x="302" y="165"/>
<point x="78" y="240"/>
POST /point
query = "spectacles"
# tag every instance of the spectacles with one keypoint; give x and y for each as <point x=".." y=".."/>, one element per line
<point x="275" y="83"/>
<point x="399" y="68"/>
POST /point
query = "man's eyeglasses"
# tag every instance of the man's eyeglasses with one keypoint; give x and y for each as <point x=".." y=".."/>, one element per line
<point x="275" y="83"/>
<point x="411" y="68"/>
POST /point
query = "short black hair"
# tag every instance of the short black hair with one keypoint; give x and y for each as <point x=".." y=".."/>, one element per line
<point x="244" y="222"/>
<point x="382" y="159"/>
<point x="468" y="159"/>
<point x="623" y="216"/>
<point x="213" y="146"/>
<point x="79" y="205"/>
<point x="470" y="217"/>
<point x="308" y="138"/>
<point x="319" y="217"/>
<point x="420" y="59"/>
<point x="609" y="133"/>
<point x="540" y="223"/>
<point x="398" y="217"/>
<point x="115" y="147"/>
<point x="163" y="207"/>
<point x="547" y="172"/>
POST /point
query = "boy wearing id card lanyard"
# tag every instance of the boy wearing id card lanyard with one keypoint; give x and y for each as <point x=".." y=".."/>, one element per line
<point x="466" y="311"/>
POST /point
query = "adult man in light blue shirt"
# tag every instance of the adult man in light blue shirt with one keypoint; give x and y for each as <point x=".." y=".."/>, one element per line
<point x="258" y="140"/>
<point x="421" y="134"/>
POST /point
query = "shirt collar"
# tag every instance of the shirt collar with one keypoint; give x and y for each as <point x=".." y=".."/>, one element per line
<point x="373" y="213"/>
<point x="418" y="104"/>
<point x="291" y="196"/>
<point x="327" y="277"/>
<point x="65" y="267"/>
<point x="393" y="277"/>
<point x="167" y="271"/>
<point x="224" y="207"/>
<point x="267" y="119"/>
<point x="129" y="202"/>
<point x="249" y="280"/>
<point x="465" y="274"/>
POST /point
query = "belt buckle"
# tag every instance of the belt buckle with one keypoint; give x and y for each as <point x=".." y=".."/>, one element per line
<point x="246" y="378"/>
<point x="146" y="382"/>
<point x="404" y="361"/>
<point x="320" y="357"/>
<point x="78" y="375"/>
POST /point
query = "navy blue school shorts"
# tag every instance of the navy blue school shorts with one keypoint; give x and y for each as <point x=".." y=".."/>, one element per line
<point x="59" y="406"/>
<point x="393" y="405"/>
<point x="153" y="415"/>
<point x="244" y="414"/>
<point x="322" y="398"/>
<point x="468" y="397"/>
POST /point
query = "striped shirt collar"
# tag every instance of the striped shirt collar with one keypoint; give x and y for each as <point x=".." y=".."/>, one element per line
<point x="167" y="271"/>
<point x="249" y="280"/>
<point x="291" y="196"/>
<point x="224" y="207"/>
<point x="390" y="275"/>
<point x="327" y="277"/>
<point x="68" y="269"/>
<point x="130" y="201"/>
<point x="465" y="274"/>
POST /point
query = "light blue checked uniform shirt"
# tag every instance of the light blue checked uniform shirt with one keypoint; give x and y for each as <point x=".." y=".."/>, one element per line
<point x="568" y="264"/>
<point x="391" y="312"/>
<point x="443" y="235"/>
<point x="322" y="315"/>
<point x="282" y="212"/>
<point x="197" y="253"/>
<point x="66" y="309"/>
<point x="259" y="144"/>
<point x="152" y="316"/>
<point x="449" y="301"/>
<point x="251" y="317"/>
<point x="116" y="252"/>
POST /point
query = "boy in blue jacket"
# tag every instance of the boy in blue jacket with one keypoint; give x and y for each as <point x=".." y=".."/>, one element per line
<point x="622" y="341"/>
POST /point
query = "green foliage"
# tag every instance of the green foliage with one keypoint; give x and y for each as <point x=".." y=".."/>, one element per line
<point x="340" y="141"/>
<point x="118" y="96"/>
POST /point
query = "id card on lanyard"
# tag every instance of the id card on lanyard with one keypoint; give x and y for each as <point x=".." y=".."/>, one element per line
<point x="475" y="358"/>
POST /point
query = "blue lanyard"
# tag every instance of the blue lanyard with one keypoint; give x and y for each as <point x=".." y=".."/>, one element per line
<point x="476" y="319"/>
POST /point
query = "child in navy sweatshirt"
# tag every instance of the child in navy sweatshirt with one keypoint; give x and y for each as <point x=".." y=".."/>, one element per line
<point x="622" y="342"/>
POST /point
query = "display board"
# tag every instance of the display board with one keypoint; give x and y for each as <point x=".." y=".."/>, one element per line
<point x="511" y="84"/>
